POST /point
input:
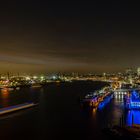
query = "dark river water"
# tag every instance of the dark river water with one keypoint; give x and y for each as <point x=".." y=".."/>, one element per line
<point x="59" y="114"/>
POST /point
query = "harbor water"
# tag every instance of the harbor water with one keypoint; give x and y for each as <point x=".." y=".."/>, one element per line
<point x="59" y="114"/>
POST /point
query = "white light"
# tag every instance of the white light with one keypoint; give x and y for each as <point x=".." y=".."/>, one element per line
<point x="54" y="77"/>
<point x="27" y="78"/>
<point x="35" y="77"/>
<point x="42" y="77"/>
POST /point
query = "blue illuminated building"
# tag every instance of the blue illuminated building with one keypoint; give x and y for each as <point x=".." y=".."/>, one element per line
<point x="132" y="100"/>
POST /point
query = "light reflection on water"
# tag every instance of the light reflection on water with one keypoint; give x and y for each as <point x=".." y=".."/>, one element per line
<point x="133" y="117"/>
<point x="114" y="111"/>
<point x="5" y="93"/>
<point x="94" y="113"/>
<point x="9" y="97"/>
<point x="119" y="98"/>
<point x="5" y="97"/>
<point x="59" y="113"/>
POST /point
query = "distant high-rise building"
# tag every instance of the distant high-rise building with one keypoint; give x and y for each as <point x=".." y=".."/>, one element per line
<point x="138" y="71"/>
<point x="129" y="71"/>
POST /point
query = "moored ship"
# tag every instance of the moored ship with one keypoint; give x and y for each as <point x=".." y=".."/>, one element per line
<point x="98" y="98"/>
<point x="18" y="107"/>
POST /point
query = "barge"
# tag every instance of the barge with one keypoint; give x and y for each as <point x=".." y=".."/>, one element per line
<point x="15" y="108"/>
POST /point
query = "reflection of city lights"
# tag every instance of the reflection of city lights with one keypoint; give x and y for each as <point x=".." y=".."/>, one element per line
<point x="94" y="110"/>
<point x="5" y="93"/>
<point x="133" y="117"/>
<point x="119" y="96"/>
<point x="5" y="96"/>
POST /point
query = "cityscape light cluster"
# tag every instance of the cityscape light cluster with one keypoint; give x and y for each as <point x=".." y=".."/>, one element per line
<point x="129" y="78"/>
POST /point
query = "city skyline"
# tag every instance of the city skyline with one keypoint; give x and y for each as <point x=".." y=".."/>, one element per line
<point x="61" y="36"/>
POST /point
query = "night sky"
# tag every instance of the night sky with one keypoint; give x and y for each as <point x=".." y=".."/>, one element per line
<point x="69" y="36"/>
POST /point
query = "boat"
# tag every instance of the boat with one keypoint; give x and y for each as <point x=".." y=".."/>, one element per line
<point x="90" y="100"/>
<point x="14" y="108"/>
<point x="105" y="101"/>
<point x="98" y="98"/>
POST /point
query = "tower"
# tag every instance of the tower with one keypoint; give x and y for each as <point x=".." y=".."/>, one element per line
<point x="138" y="71"/>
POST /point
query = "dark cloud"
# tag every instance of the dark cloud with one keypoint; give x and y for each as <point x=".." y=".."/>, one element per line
<point x="69" y="36"/>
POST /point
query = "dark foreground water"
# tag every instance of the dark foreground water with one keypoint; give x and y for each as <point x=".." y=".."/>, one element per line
<point x="59" y="114"/>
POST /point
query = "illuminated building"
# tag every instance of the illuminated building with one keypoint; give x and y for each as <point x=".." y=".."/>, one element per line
<point x="132" y="100"/>
<point x="138" y="71"/>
